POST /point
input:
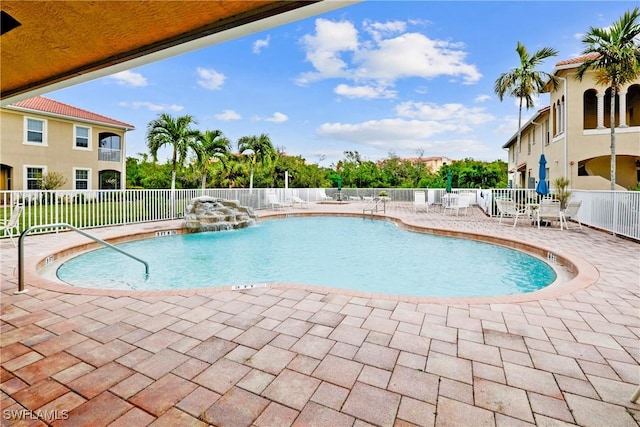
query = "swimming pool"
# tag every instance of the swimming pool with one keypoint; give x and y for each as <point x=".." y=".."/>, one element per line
<point x="341" y="252"/>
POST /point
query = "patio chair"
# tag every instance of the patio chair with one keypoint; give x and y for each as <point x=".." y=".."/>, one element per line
<point x="508" y="208"/>
<point x="549" y="210"/>
<point x="322" y="195"/>
<point x="272" y="200"/>
<point x="12" y="223"/>
<point x="456" y="203"/>
<point x="420" y="201"/>
<point x="297" y="201"/>
<point x="571" y="212"/>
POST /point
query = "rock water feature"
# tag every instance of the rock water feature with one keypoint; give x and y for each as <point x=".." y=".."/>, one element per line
<point x="206" y="213"/>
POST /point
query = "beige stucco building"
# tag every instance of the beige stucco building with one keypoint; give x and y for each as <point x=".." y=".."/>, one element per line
<point x="41" y="136"/>
<point x="574" y="134"/>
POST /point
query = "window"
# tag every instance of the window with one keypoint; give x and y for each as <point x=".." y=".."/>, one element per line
<point x="81" y="179"/>
<point x="110" y="147"/>
<point x="35" y="131"/>
<point x="590" y="109"/>
<point x="545" y="135"/>
<point x="633" y="105"/>
<point x="33" y="175"/>
<point x="109" y="180"/>
<point x="82" y="137"/>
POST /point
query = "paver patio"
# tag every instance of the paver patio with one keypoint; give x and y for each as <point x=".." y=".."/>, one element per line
<point x="294" y="355"/>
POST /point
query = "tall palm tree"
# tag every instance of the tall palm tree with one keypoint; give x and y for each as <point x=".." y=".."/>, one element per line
<point x="614" y="54"/>
<point x="208" y="145"/>
<point x="261" y="149"/>
<point x="176" y="132"/>
<point x="523" y="82"/>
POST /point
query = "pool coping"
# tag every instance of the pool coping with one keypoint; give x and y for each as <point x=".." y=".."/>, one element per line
<point x="585" y="273"/>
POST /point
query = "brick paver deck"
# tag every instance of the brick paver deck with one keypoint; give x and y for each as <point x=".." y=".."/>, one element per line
<point x="304" y="356"/>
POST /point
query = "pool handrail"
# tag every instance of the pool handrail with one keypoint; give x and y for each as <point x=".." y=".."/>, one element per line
<point x="60" y="225"/>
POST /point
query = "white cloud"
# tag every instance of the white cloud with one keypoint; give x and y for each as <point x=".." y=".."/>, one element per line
<point x="508" y="126"/>
<point x="482" y="98"/>
<point x="337" y="50"/>
<point x="129" y="78"/>
<point x="151" y="106"/>
<point x="436" y="129"/>
<point x="323" y="49"/>
<point x="276" y="118"/>
<point x="414" y="55"/>
<point x="227" y="115"/>
<point x="446" y="112"/>
<point x="366" y="92"/>
<point x="258" y="45"/>
<point x="380" y="29"/>
<point x="210" y="79"/>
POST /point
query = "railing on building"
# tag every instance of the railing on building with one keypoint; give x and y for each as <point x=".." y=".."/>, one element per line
<point x="109" y="155"/>
<point x="617" y="212"/>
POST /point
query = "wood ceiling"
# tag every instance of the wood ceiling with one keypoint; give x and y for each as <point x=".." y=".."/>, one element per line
<point x="58" y="41"/>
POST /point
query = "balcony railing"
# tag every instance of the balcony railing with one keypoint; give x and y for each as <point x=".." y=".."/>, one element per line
<point x="109" y="155"/>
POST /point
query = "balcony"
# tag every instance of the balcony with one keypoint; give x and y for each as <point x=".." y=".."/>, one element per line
<point x="109" y="155"/>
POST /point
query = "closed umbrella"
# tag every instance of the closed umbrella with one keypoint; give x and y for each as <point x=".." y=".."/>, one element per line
<point x="449" y="180"/>
<point x="542" y="188"/>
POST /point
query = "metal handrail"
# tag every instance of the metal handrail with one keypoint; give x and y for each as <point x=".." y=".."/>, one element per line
<point x="373" y="206"/>
<point x="59" y="225"/>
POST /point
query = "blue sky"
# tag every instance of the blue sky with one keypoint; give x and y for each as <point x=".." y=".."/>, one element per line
<point x="378" y="77"/>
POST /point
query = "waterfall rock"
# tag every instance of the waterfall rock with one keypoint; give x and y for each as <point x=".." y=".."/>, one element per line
<point x="207" y="213"/>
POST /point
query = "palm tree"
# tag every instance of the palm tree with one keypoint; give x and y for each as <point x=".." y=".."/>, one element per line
<point x="208" y="145"/>
<point x="261" y="150"/>
<point x="177" y="132"/>
<point x="614" y="54"/>
<point x="523" y="82"/>
<point x="232" y="173"/>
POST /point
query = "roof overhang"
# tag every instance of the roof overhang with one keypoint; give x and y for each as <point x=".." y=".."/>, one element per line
<point x="531" y="121"/>
<point x="61" y="43"/>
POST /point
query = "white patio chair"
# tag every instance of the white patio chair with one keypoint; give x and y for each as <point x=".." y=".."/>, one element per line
<point x="457" y="203"/>
<point x="272" y="200"/>
<point x="297" y="201"/>
<point x="322" y="195"/>
<point x="419" y="201"/>
<point x="508" y="208"/>
<point x="549" y="210"/>
<point x="571" y="212"/>
<point x="10" y="224"/>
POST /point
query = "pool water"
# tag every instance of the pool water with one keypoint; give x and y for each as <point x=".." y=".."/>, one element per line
<point x="342" y="252"/>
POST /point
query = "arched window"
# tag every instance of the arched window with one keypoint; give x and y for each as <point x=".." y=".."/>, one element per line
<point x="109" y="180"/>
<point x="110" y="147"/>
<point x="633" y="105"/>
<point x="590" y="112"/>
<point x="607" y="109"/>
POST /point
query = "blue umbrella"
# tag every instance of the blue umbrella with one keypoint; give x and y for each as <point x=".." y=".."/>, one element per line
<point x="542" y="188"/>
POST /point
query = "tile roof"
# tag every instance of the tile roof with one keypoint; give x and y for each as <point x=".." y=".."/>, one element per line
<point x="46" y="105"/>
<point x="577" y="60"/>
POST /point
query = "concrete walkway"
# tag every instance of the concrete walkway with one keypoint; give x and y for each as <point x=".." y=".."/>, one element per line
<point x="304" y="356"/>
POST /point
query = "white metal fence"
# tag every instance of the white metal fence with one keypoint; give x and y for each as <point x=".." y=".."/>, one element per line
<point x="614" y="211"/>
<point x="617" y="212"/>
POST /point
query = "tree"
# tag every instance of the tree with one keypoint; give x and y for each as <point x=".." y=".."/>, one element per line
<point x="52" y="181"/>
<point x="209" y="145"/>
<point x="176" y="132"/>
<point x="614" y="54"/>
<point x="523" y="82"/>
<point x="261" y="150"/>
